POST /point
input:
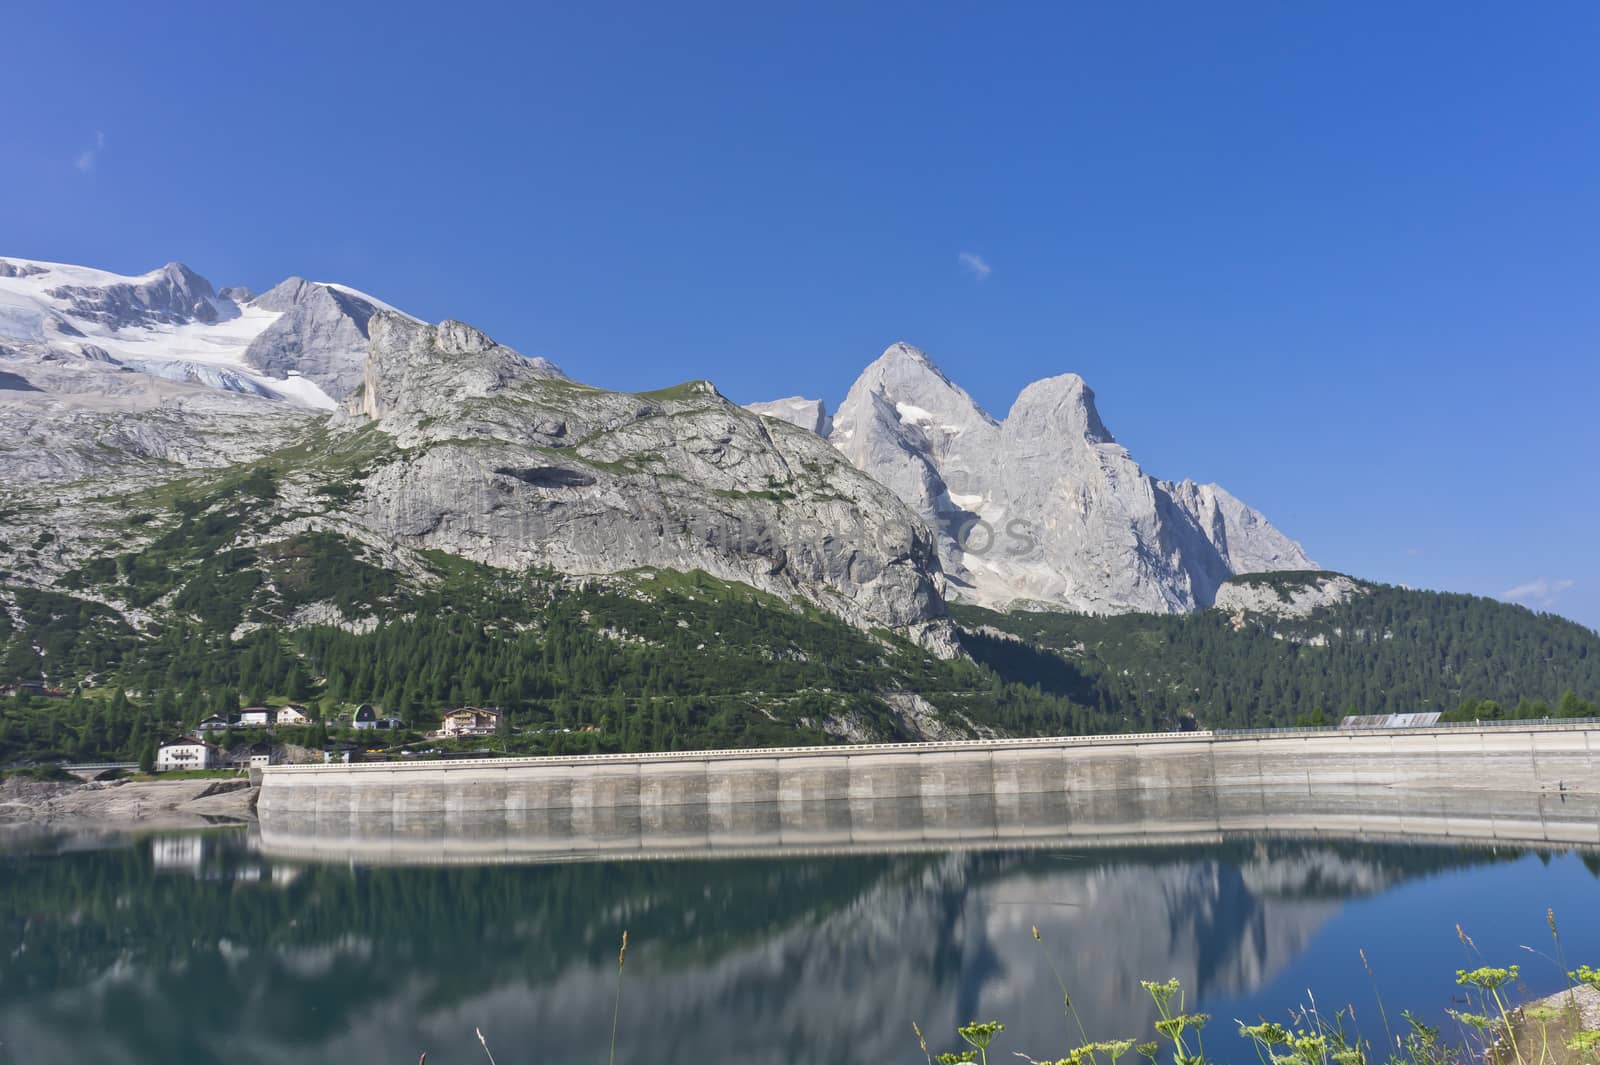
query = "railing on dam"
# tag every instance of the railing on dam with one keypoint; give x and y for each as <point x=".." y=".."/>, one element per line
<point x="1554" y="724"/>
<point x="943" y="746"/>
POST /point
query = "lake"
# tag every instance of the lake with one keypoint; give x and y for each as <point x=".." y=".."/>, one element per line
<point x="208" y="947"/>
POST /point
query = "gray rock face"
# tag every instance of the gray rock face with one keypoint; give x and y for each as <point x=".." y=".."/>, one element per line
<point x="502" y="460"/>
<point x="809" y="414"/>
<point x="1046" y="508"/>
<point x="19" y="270"/>
<point x="1287" y="598"/>
<point x="90" y="420"/>
<point x="321" y="334"/>
<point x="172" y="295"/>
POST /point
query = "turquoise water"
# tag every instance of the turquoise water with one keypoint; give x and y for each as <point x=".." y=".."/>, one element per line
<point x="202" y="948"/>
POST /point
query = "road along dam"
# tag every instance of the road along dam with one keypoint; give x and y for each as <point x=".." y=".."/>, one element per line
<point x="1531" y="783"/>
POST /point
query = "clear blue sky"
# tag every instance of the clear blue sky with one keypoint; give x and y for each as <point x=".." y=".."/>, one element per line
<point x="1342" y="258"/>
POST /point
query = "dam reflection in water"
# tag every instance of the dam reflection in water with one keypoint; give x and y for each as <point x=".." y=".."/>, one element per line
<point x="320" y="940"/>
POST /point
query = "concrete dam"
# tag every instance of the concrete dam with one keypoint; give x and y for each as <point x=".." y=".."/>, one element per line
<point x="1523" y="782"/>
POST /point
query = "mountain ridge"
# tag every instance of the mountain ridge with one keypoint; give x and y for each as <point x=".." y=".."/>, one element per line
<point x="1043" y="508"/>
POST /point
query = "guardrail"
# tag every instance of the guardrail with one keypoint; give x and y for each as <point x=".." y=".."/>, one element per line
<point x="928" y="746"/>
<point x="1557" y="724"/>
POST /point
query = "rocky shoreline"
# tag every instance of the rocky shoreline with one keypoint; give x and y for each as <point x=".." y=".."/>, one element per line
<point x="127" y="804"/>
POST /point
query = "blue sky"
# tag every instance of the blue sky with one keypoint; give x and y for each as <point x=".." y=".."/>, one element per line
<point x="1341" y="258"/>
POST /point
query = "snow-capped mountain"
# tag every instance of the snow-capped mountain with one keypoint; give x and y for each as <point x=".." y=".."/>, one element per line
<point x="302" y="341"/>
<point x="1044" y="508"/>
<point x="111" y="386"/>
<point x="110" y="382"/>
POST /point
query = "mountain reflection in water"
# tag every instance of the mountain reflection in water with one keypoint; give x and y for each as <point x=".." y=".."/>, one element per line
<point x="209" y="949"/>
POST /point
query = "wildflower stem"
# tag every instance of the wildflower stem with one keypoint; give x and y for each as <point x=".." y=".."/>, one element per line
<point x="616" y="1007"/>
<point x="1066" y="996"/>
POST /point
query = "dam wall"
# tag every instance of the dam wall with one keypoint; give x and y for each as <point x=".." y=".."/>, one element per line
<point x="1528" y="782"/>
<point x="1543" y="757"/>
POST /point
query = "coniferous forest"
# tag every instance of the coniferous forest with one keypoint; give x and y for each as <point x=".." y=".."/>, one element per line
<point x="679" y="661"/>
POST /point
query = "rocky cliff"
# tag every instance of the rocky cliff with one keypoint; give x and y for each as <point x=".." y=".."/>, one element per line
<point x="503" y="460"/>
<point x="114" y="384"/>
<point x="1287" y="595"/>
<point x="1045" y="508"/>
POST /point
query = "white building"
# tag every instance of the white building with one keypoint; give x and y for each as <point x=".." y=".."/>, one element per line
<point x="256" y="716"/>
<point x="471" y="721"/>
<point x="186" y="753"/>
<point x="293" y="715"/>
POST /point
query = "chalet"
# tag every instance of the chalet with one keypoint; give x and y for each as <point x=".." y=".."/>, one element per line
<point x="190" y="752"/>
<point x="471" y="721"/>
<point x="256" y="716"/>
<point x="365" y="717"/>
<point x="214" y="723"/>
<point x="293" y="715"/>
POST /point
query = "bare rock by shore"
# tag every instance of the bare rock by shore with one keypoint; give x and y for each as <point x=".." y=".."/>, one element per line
<point x="1565" y="1014"/>
<point x="142" y="804"/>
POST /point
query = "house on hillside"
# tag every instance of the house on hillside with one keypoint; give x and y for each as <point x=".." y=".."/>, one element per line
<point x="293" y="715"/>
<point x="214" y="723"/>
<point x="471" y="721"/>
<point x="257" y="717"/>
<point x="190" y="752"/>
<point x="365" y="717"/>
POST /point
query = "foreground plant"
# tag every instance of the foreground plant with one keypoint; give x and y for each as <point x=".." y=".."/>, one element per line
<point x="1313" y="1037"/>
<point x="1487" y="980"/>
<point x="1066" y="1000"/>
<point x="616" y="1009"/>
<point x="1174" y="1023"/>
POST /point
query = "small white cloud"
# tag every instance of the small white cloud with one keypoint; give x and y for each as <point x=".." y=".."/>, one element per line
<point x="1541" y="592"/>
<point x="975" y="264"/>
<point x="86" y="160"/>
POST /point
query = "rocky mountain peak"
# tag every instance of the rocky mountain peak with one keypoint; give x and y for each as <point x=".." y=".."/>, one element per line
<point x="809" y="414"/>
<point x="507" y="462"/>
<point x="171" y="295"/>
<point x="907" y="375"/>
<point x="901" y="353"/>
<point x="459" y="338"/>
<point x="905" y="387"/>
<point x="419" y="370"/>
<point x="285" y="294"/>
<point x="1061" y="406"/>
<point x="1044" y="508"/>
<point x="320" y="334"/>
